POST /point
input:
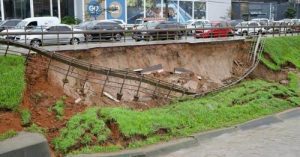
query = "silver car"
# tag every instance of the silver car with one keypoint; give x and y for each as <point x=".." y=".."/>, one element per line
<point x="58" y="38"/>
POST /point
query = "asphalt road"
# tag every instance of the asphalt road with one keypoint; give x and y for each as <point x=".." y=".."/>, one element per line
<point x="276" y="140"/>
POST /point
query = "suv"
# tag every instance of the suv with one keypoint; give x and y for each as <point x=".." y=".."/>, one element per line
<point x="214" y="29"/>
<point x="159" y="35"/>
<point x="251" y="27"/>
<point x="105" y="26"/>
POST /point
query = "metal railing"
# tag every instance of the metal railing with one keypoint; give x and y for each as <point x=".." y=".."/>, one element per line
<point x="74" y="36"/>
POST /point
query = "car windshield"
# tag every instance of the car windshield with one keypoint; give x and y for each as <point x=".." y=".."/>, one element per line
<point x="118" y="22"/>
<point x="208" y="25"/>
<point x="138" y="21"/>
<point x="150" y="25"/>
<point x="189" y="22"/>
<point x="22" y="24"/>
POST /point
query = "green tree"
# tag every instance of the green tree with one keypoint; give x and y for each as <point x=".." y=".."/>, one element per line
<point x="290" y="13"/>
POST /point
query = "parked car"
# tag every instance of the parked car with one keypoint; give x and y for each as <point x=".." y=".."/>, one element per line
<point x="262" y="21"/>
<point x="52" y="39"/>
<point x="170" y="30"/>
<point x="105" y="26"/>
<point x="250" y="27"/>
<point x="141" y="22"/>
<point x="193" y="24"/>
<point x="9" y="24"/>
<point x="215" y="29"/>
<point x="280" y="27"/>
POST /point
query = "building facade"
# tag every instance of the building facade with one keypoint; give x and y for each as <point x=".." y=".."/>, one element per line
<point x="270" y="9"/>
<point x="127" y="10"/>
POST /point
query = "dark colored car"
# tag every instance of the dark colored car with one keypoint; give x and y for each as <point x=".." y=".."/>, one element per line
<point x="104" y="26"/>
<point x="215" y="29"/>
<point x="7" y="24"/>
<point x="170" y="30"/>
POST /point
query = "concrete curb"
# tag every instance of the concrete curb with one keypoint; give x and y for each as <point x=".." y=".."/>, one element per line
<point x="25" y="145"/>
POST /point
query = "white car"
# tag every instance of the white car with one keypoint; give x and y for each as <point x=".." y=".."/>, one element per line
<point x="37" y="40"/>
<point x="192" y="24"/>
<point x="251" y="27"/>
<point x="280" y="27"/>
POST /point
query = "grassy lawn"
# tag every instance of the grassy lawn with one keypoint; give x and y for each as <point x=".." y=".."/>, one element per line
<point x="282" y="50"/>
<point x="12" y="81"/>
<point x="88" y="131"/>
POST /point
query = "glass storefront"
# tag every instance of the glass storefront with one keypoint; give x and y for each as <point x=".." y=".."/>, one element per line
<point x="16" y="9"/>
<point x="173" y="10"/>
<point x="41" y="8"/>
<point x="67" y="8"/>
<point x="135" y="10"/>
<point x="153" y="8"/>
<point x="199" y="10"/>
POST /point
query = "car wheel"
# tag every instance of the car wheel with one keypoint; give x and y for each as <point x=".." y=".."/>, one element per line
<point x="245" y="33"/>
<point x="118" y="37"/>
<point x="74" y="41"/>
<point x="36" y="43"/>
<point x="230" y="34"/>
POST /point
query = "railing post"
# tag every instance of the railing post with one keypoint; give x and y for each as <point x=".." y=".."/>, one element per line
<point x="7" y="47"/>
<point x="170" y="90"/>
<point x="27" y="57"/>
<point x="25" y="36"/>
<point x="65" y="80"/>
<point x="106" y="80"/>
<point x="42" y="35"/>
<point x="156" y="86"/>
<point x="86" y="78"/>
<point x="136" y="97"/>
<point x="48" y="67"/>
<point x="120" y="94"/>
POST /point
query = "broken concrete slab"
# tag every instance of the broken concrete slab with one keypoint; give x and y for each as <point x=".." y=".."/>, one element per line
<point x="152" y="69"/>
<point x="110" y="97"/>
<point x="181" y="71"/>
<point x="25" y="144"/>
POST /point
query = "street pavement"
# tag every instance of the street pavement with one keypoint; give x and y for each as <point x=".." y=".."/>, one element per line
<point x="276" y="140"/>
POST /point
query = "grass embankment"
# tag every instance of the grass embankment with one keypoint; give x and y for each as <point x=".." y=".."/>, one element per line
<point x="90" y="132"/>
<point x="281" y="50"/>
<point x="7" y="135"/>
<point x="12" y="81"/>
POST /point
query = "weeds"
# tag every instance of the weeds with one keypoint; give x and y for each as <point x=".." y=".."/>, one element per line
<point x="12" y="81"/>
<point x="25" y="117"/>
<point x="7" y="135"/>
<point x="36" y="129"/>
<point x="59" y="107"/>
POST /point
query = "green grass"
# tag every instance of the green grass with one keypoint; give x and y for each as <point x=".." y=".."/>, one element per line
<point x="12" y="81"/>
<point x="84" y="128"/>
<point x="294" y="82"/>
<point x="36" y="129"/>
<point x="244" y="102"/>
<point x="282" y="50"/>
<point x="59" y="107"/>
<point x="7" y="135"/>
<point x="25" y="117"/>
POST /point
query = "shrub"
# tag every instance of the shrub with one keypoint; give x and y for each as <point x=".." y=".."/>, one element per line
<point x="70" y="20"/>
<point x="25" y="117"/>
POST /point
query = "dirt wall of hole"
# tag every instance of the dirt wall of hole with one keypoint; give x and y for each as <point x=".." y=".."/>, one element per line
<point x="213" y="62"/>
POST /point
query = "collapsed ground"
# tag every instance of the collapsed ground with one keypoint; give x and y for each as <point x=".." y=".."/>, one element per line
<point x="46" y="109"/>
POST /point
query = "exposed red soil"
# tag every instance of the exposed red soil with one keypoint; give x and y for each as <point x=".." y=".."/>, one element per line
<point x="9" y="121"/>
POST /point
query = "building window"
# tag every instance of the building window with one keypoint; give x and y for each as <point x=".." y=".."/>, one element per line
<point x="135" y="10"/>
<point x="67" y="8"/>
<point x="41" y="8"/>
<point x="185" y="11"/>
<point x="153" y="8"/>
<point x="16" y="9"/>
<point x="199" y="10"/>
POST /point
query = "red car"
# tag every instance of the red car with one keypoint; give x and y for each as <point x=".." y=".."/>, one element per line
<point x="214" y="29"/>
